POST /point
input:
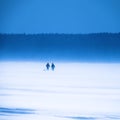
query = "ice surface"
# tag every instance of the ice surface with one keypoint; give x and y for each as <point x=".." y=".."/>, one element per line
<point x="78" y="91"/>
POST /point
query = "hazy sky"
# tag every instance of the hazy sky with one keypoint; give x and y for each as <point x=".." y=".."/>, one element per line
<point x="59" y="16"/>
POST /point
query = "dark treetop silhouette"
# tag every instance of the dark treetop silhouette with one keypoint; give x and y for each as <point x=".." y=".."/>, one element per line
<point x="99" y="47"/>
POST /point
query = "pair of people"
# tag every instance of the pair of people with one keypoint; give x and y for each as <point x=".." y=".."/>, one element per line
<point x="52" y="66"/>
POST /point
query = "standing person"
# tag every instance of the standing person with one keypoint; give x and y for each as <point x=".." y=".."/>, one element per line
<point x="47" y="66"/>
<point x="52" y="66"/>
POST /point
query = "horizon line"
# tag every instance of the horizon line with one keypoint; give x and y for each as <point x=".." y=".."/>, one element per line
<point x="50" y="33"/>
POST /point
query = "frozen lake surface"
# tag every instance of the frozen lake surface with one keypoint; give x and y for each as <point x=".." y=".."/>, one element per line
<point x="74" y="91"/>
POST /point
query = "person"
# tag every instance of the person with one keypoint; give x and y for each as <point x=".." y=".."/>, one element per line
<point x="47" y="66"/>
<point x="52" y="66"/>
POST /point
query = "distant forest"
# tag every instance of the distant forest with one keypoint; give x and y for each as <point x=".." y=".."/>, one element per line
<point x="97" y="47"/>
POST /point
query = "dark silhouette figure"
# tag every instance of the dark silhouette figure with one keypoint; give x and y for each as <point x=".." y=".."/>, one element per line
<point x="47" y="66"/>
<point x="53" y="66"/>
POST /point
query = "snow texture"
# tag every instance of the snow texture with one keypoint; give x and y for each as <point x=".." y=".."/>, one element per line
<point x="73" y="91"/>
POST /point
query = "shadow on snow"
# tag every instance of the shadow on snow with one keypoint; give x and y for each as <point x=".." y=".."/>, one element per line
<point x="4" y="111"/>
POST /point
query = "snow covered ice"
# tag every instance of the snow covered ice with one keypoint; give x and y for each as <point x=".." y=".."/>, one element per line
<point x="74" y="91"/>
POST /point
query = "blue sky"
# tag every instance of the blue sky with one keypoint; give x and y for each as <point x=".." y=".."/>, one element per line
<point x="59" y="16"/>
